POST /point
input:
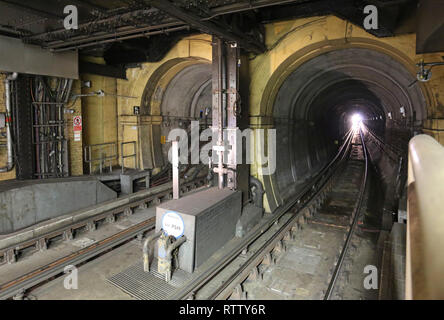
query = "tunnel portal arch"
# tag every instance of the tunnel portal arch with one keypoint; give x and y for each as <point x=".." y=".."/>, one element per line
<point x="177" y="92"/>
<point x="315" y="89"/>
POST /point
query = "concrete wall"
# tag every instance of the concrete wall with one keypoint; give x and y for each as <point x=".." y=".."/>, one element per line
<point x="24" y="203"/>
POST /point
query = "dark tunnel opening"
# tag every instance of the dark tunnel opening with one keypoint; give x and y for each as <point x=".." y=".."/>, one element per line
<point x="313" y="109"/>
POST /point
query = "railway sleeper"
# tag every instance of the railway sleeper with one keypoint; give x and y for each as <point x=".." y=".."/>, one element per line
<point x="128" y="212"/>
<point x="42" y="244"/>
<point x="280" y="247"/>
<point x="143" y="205"/>
<point x="10" y="255"/>
<point x="268" y="259"/>
<point x="111" y="218"/>
<point x="255" y="275"/>
<point x="238" y="293"/>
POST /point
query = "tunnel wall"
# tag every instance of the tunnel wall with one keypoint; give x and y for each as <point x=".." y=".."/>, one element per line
<point x="99" y="114"/>
<point x="149" y="84"/>
<point x="391" y="170"/>
<point x="306" y="37"/>
<point x="296" y="42"/>
<point x="290" y="43"/>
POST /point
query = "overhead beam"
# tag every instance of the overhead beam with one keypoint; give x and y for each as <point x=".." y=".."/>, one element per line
<point x="92" y="24"/>
<point x="243" y="6"/>
<point x="32" y="10"/>
<point x="89" y="6"/>
<point x="207" y="26"/>
<point x="30" y="59"/>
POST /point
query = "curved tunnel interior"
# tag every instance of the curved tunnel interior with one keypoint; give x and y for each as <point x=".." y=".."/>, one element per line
<point x="187" y="97"/>
<point x="313" y="109"/>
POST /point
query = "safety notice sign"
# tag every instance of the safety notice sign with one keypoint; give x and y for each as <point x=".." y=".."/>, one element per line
<point x="77" y="126"/>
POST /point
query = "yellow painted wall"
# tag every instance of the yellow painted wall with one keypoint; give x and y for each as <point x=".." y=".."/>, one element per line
<point x="100" y="115"/>
<point x="110" y="119"/>
<point x="311" y="36"/>
<point x="290" y="43"/>
<point x="293" y="42"/>
<point x="129" y="129"/>
<point x="195" y="46"/>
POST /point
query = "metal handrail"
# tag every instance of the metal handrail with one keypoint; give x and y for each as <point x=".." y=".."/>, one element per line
<point x="425" y="219"/>
<point x="102" y="159"/>
<point x="133" y="155"/>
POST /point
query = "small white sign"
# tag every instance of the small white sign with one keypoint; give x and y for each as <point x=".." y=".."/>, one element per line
<point x="77" y="127"/>
<point x="173" y="225"/>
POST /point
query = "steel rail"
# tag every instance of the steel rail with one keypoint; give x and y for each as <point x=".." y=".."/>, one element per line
<point x="322" y="179"/>
<point x="90" y="222"/>
<point x="224" y="291"/>
<point x="356" y="214"/>
<point x="43" y="273"/>
<point x="39" y="275"/>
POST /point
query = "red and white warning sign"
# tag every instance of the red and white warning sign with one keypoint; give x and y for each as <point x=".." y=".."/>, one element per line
<point x="77" y="126"/>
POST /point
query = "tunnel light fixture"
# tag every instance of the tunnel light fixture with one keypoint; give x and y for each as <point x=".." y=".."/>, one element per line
<point x="356" y="120"/>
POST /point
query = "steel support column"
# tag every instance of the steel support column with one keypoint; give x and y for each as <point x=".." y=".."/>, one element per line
<point x="227" y="117"/>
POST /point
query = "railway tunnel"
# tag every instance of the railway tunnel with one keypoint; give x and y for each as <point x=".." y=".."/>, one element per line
<point x="316" y="100"/>
<point x="227" y="153"/>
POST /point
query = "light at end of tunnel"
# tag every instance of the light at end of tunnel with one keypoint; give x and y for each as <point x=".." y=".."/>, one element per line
<point x="356" y="120"/>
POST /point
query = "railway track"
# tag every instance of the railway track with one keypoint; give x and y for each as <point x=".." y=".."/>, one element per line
<point x="38" y="245"/>
<point x="268" y="254"/>
<point x="261" y="252"/>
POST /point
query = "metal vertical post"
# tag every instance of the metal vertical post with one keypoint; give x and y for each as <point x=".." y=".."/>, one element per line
<point x="175" y="156"/>
<point x="233" y="109"/>
<point x="227" y="115"/>
<point x="220" y="107"/>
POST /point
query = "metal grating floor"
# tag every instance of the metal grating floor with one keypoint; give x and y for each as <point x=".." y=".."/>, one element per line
<point x="149" y="286"/>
